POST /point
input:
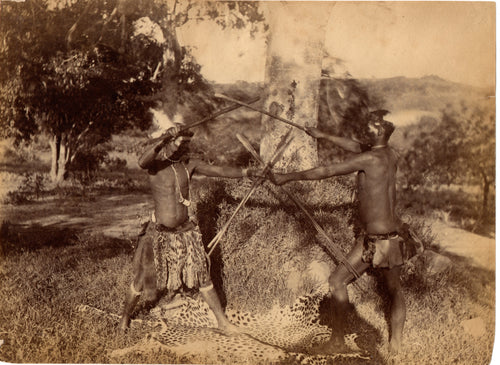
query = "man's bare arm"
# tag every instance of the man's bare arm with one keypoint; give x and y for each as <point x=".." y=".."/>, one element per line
<point x="224" y="171"/>
<point x="357" y="163"/>
<point x="344" y="143"/>
<point x="148" y="157"/>
<point x="152" y="149"/>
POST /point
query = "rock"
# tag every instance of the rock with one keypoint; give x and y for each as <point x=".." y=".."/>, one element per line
<point x="435" y="263"/>
<point x="474" y="327"/>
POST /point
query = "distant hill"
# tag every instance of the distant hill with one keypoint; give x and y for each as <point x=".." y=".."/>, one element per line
<point x="408" y="99"/>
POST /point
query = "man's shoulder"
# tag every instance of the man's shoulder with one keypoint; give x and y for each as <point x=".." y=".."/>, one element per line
<point x="367" y="156"/>
<point x="193" y="162"/>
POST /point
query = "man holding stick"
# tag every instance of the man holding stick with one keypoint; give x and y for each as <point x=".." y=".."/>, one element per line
<point x="170" y="253"/>
<point x="380" y="245"/>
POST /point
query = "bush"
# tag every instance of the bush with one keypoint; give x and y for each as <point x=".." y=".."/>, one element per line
<point x="87" y="162"/>
<point x="22" y="153"/>
<point x="449" y="205"/>
<point x="114" y="163"/>
<point x="31" y="188"/>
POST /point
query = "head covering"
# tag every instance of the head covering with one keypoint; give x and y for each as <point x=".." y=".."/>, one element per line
<point x="384" y="126"/>
<point x="162" y="123"/>
<point x="380" y="113"/>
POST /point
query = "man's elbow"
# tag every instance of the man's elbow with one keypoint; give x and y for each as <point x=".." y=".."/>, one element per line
<point x="144" y="163"/>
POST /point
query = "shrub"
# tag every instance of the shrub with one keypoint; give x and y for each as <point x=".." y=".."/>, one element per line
<point x="114" y="163"/>
<point x="87" y="161"/>
<point x="32" y="187"/>
<point x="22" y="153"/>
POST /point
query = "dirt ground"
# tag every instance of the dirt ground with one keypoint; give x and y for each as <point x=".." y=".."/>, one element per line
<point x="120" y="216"/>
<point x="480" y="250"/>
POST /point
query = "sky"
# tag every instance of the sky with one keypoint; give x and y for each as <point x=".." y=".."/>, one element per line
<point x="453" y="40"/>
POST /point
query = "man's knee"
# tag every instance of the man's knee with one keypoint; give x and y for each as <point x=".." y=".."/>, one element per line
<point x="336" y="283"/>
<point x="206" y="286"/>
<point x="135" y="289"/>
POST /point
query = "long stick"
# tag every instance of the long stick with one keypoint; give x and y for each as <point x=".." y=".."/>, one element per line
<point x="220" y="112"/>
<point x="278" y="154"/>
<point x="333" y="250"/>
<point x="206" y="119"/>
<point x="221" y="96"/>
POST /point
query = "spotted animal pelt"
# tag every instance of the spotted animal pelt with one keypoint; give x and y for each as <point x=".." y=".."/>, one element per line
<point x="187" y="327"/>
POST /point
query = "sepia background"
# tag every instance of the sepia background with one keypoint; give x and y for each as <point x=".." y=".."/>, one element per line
<point x="82" y="83"/>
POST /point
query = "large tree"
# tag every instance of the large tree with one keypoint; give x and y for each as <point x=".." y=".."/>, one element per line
<point x="293" y="72"/>
<point x="71" y="88"/>
<point x="73" y="70"/>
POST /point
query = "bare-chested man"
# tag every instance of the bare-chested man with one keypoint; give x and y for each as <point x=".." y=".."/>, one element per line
<point x="170" y="253"/>
<point x="380" y="247"/>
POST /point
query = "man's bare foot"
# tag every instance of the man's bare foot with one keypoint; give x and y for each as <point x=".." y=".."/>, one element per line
<point x="332" y="346"/>
<point x="123" y="326"/>
<point x="394" y="347"/>
<point x="392" y="351"/>
<point x="230" y="329"/>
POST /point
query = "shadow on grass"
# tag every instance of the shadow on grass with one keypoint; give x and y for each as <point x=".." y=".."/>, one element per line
<point x="368" y="337"/>
<point x="16" y="239"/>
<point x="462" y="276"/>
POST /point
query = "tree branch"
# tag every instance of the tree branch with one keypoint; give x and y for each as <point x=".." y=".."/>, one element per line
<point x="69" y="35"/>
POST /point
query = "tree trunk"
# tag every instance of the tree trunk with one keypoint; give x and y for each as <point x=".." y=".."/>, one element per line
<point x="59" y="159"/>
<point x="484" y="207"/>
<point x="55" y="144"/>
<point x="293" y="74"/>
<point x="486" y="194"/>
<point x="62" y="161"/>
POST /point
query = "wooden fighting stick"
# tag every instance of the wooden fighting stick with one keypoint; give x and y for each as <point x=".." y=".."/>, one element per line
<point x="331" y="247"/>
<point x="280" y="149"/>
<point x="289" y="122"/>
<point x="235" y="106"/>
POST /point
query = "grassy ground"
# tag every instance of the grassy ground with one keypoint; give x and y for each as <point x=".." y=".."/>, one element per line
<point x="73" y="246"/>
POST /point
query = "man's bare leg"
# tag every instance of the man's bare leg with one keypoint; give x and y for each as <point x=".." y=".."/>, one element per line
<point x="398" y="308"/>
<point x="340" y="300"/>
<point x="209" y="294"/>
<point x="131" y="300"/>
